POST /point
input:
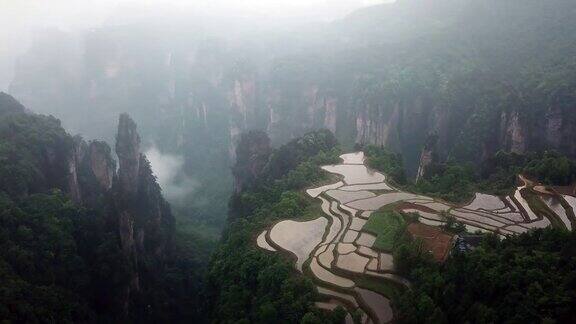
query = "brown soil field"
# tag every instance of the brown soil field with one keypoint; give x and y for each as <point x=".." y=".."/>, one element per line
<point x="435" y="240"/>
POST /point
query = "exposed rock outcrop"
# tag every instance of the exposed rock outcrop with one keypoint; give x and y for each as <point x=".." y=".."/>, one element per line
<point x="252" y="153"/>
<point x="74" y="162"/>
<point x="128" y="151"/>
<point x="515" y="139"/>
<point x="367" y="79"/>
<point x="145" y="222"/>
<point x="427" y="156"/>
<point x="100" y="162"/>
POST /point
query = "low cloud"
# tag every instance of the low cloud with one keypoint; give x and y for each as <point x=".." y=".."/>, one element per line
<point x="168" y="169"/>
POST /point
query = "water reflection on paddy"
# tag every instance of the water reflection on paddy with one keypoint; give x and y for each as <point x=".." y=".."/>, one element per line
<point x="516" y="229"/>
<point x="327" y="276"/>
<point x="487" y="202"/>
<point x="366" y="239"/>
<point x="327" y="257"/>
<point x="300" y="238"/>
<point x="386" y="262"/>
<point x="372" y="265"/>
<point x="571" y="201"/>
<point x="380" y="201"/>
<point x="542" y="223"/>
<point x="357" y="223"/>
<point x="336" y="224"/>
<point x="367" y="252"/>
<point x="524" y="204"/>
<point x="355" y="174"/>
<point x="350" y="236"/>
<point x="379" y="304"/>
<point x="261" y="241"/>
<point x="345" y="248"/>
<point x="353" y="262"/>
<point x="554" y="204"/>
<point x="370" y="186"/>
<point x="466" y="216"/>
<point x="353" y="158"/>
<point x="330" y="292"/>
<point x="348" y="196"/>
<point x="315" y="192"/>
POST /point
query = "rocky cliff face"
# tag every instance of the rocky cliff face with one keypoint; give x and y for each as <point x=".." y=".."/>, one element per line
<point x="366" y="78"/>
<point x="252" y="153"/>
<point x="427" y="156"/>
<point x="101" y="164"/>
<point x="559" y="127"/>
<point x="144" y="220"/>
<point x="209" y="107"/>
<point x="127" y="211"/>
<point x="514" y="137"/>
<point x="74" y="160"/>
<point x="128" y="151"/>
<point x="91" y="171"/>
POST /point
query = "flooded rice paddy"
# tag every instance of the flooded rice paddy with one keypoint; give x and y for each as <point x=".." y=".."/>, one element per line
<point x="299" y="238"/>
<point x="335" y="251"/>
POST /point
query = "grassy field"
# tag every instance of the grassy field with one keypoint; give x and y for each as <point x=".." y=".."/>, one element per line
<point x="385" y="287"/>
<point x="312" y="211"/>
<point x="385" y="225"/>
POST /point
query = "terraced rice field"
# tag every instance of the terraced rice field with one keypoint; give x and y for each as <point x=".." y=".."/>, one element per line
<point x="350" y="236"/>
<point x="355" y="174"/>
<point x="382" y="200"/>
<point x="347" y="196"/>
<point x="349" y="241"/>
<point x="352" y="262"/>
<point x="261" y="241"/>
<point x="370" y="186"/>
<point x="378" y="304"/>
<point x="299" y="238"/>
<point x="315" y="192"/>
<point x="486" y="202"/>
<point x="523" y="203"/>
<point x="556" y="206"/>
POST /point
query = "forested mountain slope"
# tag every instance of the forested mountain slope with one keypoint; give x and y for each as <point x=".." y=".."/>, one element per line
<point x="248" y="284"/>
<point x="80" y="241"/>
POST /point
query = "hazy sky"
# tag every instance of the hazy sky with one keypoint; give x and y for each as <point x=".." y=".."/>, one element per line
<point x="20" y="18"/>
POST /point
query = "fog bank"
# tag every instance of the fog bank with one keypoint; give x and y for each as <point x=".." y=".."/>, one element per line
<point x="20" y="19"/>
<point x="168" y="170"/>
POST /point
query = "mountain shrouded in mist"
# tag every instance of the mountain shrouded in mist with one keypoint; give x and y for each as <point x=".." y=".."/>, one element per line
<point x="229" y="117"/>
<point x="393" y="75"/>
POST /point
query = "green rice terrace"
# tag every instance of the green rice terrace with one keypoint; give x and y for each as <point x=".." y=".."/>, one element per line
<point x="347" y="251"/>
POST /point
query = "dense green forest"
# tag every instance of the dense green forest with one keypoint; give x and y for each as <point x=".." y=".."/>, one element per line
<point x="521" y="279"/>
<point x="44" y="275"/>
<point x="458" y="181"/>
<point x="60" y="260"/>
<point x="529" y="278"/>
